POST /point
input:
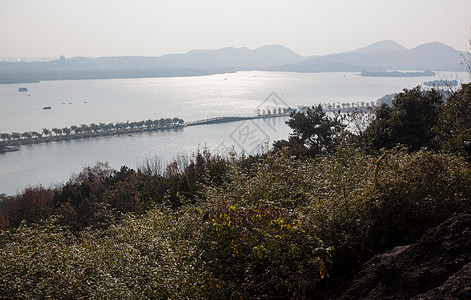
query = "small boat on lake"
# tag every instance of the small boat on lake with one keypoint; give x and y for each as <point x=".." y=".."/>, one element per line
<point x="8" y="149"/>
<point x="22" y="89"/>
<point x="47" y="107"/>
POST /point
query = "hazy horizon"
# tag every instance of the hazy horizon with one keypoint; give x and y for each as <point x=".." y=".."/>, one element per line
<point x="51" y="28"/>
<point x="50" y="58"/>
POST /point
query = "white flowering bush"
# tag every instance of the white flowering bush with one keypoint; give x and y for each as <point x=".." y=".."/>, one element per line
<point x="148" y="257"/>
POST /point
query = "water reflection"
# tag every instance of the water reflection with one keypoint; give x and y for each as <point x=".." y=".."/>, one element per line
<point x="53" y="163"/>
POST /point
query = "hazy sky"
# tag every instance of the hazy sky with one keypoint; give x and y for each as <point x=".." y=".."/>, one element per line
<point x="49" y="28"/>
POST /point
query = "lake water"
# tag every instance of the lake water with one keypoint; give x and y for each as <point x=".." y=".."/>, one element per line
<point x="190" y="98"/>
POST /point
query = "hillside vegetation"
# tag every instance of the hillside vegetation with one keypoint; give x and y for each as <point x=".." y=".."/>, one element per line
<point x="292" y="223"/>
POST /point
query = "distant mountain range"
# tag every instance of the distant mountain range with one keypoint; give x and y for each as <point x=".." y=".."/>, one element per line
<point x="385" y="55"/>
<point x="380" y="56"/>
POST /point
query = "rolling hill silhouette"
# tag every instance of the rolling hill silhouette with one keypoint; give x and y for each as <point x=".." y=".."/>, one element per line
<point x="383" y="55"/>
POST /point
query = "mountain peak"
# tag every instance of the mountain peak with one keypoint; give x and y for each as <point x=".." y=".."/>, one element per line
<point x="278" y="50"/>
<point x="382" y="46"/>
<point x="272" y="47"/>
<point x="435" y="46"/>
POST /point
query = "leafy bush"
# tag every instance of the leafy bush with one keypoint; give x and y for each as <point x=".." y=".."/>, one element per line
<point x="357" y="203"/>
<point x="455" y="121"/>
<point x="411" y="121"/>
<point x="34" y="204"/>
<point x="148" y="257"/>
<point x="415" y="192"/>
<point x="261" y="251"/>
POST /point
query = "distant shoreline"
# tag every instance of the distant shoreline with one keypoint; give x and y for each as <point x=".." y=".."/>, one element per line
<point x="29" y="78"/>
<point x="25" y="78"/>
<point x="396" y="74"/>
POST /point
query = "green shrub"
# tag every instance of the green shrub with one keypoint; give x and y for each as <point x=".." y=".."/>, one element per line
<point x="415" y="192"/>
<point x="261" y="251"/>
<point x="357" y="203"/>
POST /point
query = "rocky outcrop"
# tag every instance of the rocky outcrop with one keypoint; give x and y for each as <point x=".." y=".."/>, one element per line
<point x="438" y="266"/>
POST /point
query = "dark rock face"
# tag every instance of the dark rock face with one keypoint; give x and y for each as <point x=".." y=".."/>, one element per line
<point x="438" y="266"/>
